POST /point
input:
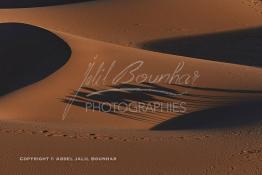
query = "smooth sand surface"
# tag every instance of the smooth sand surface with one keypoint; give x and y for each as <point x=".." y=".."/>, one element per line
<point x="137" y="152"/>
<point x="215" y="44"/>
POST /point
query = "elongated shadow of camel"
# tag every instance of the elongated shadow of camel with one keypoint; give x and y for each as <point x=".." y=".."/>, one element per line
<point x="122" y="94"/>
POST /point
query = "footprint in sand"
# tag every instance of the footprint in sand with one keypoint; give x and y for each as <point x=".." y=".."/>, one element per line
<point x="44" y="131"/>
<point x="20" y="131"/>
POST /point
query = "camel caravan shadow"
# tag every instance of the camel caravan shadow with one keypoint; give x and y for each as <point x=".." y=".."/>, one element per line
<point x="242" y="47"/>
<point x="125" y="98"/>
<point x="224" y="111"/>
<point x="28" y="54"/>
<point x="35" y="3"/>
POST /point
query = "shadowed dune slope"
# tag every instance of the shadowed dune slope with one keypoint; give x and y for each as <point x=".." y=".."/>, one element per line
<point x="239" y="46"/>
<point x="232" y="116"/>
<point x="28" y="54"/>
<point x="47" y="94"/>
<point x="34" y="3"/>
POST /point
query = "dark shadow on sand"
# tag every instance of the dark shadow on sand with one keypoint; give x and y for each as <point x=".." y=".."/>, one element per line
<point x="240" y="47"/>
<point x="28" y="54"/>
<point x="35" y="3"/>
<point x="232" y="116"/>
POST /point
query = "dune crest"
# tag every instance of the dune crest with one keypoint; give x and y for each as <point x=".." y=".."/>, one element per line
<point x="245" y="80"/>
<point x="35" y="3"/>
<point x="238" y="46"/>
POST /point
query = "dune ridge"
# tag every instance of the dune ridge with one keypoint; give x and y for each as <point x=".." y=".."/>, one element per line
<point x="237" y="46"/>
<point x="35" y="3"/>
<point x="83" y="52"/>
<point x="174" y="20"/>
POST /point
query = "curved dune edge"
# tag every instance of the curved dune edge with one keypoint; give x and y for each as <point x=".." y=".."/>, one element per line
<point x="35" y="3"/>
<point x="28" y="54"/>
<point x="177" y="18"/>
<point x="235" y="46"/>
<point x="46" y="96"/>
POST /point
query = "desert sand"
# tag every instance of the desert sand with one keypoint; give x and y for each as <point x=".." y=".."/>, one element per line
<point x="56" y="59"/>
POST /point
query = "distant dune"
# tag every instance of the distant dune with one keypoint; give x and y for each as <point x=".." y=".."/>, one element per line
<point x="237" y="46"/>
<point x="34" y="3"/>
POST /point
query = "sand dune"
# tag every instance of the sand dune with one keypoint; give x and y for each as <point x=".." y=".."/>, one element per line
<point x="231" y="46"/>
<point x="111" y="21"/>
<point x="28" y="54"/>
<point x="49" y="106"/>
<point x="203" y="55"/>
<point x="34" y="3"/>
